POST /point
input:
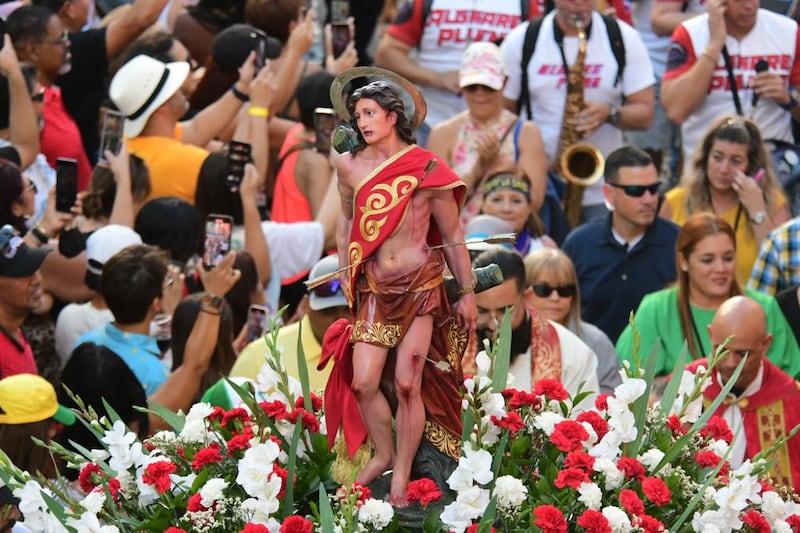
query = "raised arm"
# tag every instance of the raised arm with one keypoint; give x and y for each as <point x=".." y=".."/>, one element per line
<point x="23" y="127"/>
<point x="667" y="15"/>
<point x="122" y="209"/>
<point x="255" y="242"/>
<point x="134" y="20"/>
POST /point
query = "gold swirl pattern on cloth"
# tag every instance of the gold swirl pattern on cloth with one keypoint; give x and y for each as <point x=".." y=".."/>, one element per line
<point x="443" y="440"/>
<point x="771" y="427"/>
<point x="355" y="252"/>
<point x="458" y="340"/>
<point x="382" y="199"/>
<point x="388" y="335"/>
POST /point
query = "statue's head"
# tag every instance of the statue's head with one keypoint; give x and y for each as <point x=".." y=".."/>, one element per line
<point x="388" y="98"/>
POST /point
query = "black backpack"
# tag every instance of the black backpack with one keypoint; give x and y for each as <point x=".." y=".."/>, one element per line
<point x="529" y="46"/>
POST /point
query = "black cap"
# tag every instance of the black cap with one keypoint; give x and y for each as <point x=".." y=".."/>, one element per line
<point x="232" y="46"/>
<point x="17" y="259"/>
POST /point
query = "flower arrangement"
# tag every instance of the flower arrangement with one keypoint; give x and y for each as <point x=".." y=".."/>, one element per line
<point x="531" y="461"/>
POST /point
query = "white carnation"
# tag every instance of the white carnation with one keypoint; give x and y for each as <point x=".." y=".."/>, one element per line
<point x="651" y="458"/>
<point x="546" y="421"/>
<point x="510" y="492"/>
<point x="614" y="476"/>
<point x="375" y="513"/>
<point x="617" y="519"/>
<point x="590" y="495"/>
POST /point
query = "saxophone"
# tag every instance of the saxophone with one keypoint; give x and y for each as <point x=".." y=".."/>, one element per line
<point x="580" y="164"/>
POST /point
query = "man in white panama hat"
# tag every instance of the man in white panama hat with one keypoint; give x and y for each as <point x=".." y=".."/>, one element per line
<point x="147" y="91"/>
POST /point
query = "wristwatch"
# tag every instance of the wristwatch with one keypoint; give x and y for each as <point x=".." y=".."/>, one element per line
<point x="613" y="115"/>
<point x="212" y="301"/>
<point x="792" y="103"/>
<point x="759" y="218"/>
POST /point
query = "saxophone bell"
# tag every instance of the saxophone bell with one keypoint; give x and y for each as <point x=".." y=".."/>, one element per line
<point x="582" y="164"/>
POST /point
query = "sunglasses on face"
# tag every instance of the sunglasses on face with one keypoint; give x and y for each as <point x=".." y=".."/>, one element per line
<point x="637" y="191"/>
<point x="543" y="290"/>
<point x="328" y="289"/>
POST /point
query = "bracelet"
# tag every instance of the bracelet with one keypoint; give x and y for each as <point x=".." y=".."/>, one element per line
<point x="709" y="57"/>
<point x="469" y="288"/>
<point x="40" y="235"/>
<point x="258" y="111"/>
<point x="239" y="94"/>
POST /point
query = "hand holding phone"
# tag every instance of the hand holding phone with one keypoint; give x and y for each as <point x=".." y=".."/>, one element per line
<point x="257" y="322"/>
<point x="218" y="239"/>
<point x="66" y="184"/>
<point x="111" y="132"/>
<point x="340" y="38"/>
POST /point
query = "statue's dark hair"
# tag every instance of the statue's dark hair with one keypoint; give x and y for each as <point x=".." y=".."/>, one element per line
<point x="389" y="99"/>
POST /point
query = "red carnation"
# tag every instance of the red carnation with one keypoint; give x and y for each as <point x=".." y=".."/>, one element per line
<point x="707" y="459"/>
<point x="114" y="487"/>
<point x="281" y="473"/>
<point x="568" y="436"/>
<point x="157" y="474"/>
<point x="310" y="421"/>
<point x="675" y="426"/>
<point x="239" y="442"/>
<point x="217" y="413"/>
<point x="756" y="520"/>
<point x="594" y="522"/>
<point x="512" y="422"/>
<point x="598" y="423"/>
<point x="475" y="527"/>
<point x="580" y="460"/>
<point x="424" y="491"/>
<point x="571" y="477"/>
<point x="656" y="490"/>
<point x="275" y="409"/>
<point x="194" y="503"/>
<point x="552" y="388"/>
<point x="601" y="402"/>
<point x="259" y="528"/>
<point x="632" y="468"/>
<point x="550" y="519"/>
<point x="717" y="428"/>
<point x="206" y="456"/>
<point x="794" y="522"/>
<point x="237" y="413"/>
<point x="521" y="398"/>
<point x="292" y="524"/>
<point x="316" y="402"/>
<point x="173" y="529"/>
<point x="631" y="502"/>
<point x="648" y="524"/>
<point x="86" y="478"/>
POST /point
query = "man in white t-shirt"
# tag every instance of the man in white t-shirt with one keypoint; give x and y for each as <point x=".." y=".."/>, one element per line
<point x="440" y="39"/>
<point x="697" y="89"/>
<point x="610" y="105"/>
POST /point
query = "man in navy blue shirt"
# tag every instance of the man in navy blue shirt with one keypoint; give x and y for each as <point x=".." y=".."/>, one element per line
<point x="629" y="253"/>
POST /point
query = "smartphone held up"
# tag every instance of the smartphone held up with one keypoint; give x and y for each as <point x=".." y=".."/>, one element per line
<point x="66" y="184"/>
<point x="111" y="132"/>
<point x="340" y="38"/>
<point x="239" y="155"/>
<point x="324" y="123"/>
<point x="218" y="239"/>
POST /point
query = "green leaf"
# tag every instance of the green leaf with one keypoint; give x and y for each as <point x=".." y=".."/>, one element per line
<point x="639" y="407"/>
<point x="489" y="514"/>
<point x="287" y="505"/>
<point x="502" y="356"/>
<point x="671" y="391"/>
<point x="173" y="419"/>
<point x="302" y="369"/>
<point x="325" y="511"/>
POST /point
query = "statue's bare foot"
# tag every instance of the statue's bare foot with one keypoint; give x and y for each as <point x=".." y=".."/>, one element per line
<point x="373" y="469"/>
<point x="398" y="492"/>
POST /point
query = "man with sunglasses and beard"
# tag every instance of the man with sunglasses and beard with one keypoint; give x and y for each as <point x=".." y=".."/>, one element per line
<point x="631" y="251"/>
<point x="540" y="348"/>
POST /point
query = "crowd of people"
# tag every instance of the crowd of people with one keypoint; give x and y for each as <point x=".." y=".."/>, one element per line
<point x="129" y="296"/>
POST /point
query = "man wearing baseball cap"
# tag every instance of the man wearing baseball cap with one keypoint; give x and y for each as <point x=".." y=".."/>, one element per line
<point x="26" y="398"/>
<point x="326" y="305"/>
<point x="20" y="293"/>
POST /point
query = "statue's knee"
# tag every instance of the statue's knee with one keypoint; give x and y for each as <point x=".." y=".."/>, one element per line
<point x="364" y="390"/>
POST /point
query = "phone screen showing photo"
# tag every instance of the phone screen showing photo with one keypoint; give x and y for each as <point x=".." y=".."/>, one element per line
<point x="340" y="38"/>
<point x="257" y="318"/>
<point x="324" y="123"/>
<point x="218" y="240"/>
<point x="111" y="133"/>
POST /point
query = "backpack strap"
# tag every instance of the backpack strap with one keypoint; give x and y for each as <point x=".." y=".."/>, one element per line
<point x="617" y="45"/>
<point x="528" y="47"/>
<point x="426" y="10"/>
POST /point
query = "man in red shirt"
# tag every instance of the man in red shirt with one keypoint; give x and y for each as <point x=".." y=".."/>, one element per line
<point x="20" y="293"/>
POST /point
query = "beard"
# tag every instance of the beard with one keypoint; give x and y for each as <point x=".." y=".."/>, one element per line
<point x="520" y="337"/>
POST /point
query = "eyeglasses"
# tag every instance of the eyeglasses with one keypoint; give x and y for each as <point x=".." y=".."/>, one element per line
<point x="38" y="96"/>
<point x="327" y="289"/>
<point x="543" y="290"/>
<point x="637" y="191"/>
<point x="63" y="41"/>
<point x="9" y="242"/>
<point x="30" y="187"/>
<point x="474" y="88"/>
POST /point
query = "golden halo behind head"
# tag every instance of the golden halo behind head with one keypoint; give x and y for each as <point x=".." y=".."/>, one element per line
<point x="401" y="84"/>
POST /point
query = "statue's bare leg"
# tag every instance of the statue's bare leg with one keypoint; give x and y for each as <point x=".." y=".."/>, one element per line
<point x="368" y="363"/>
<point x="410" y="417"/>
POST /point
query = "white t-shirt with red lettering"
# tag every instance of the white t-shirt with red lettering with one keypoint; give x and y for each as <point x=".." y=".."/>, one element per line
<point x="547" y="81"/>
<point x="774" y="38"/>
<point x="441" y="39"/>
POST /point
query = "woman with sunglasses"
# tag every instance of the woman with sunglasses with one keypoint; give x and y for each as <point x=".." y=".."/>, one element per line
<point x="508" y="196"/>
<point x="551" y="275"/>
<point x="487" y="135"/>
<point x="706" y="259"/>
<point x="732" y="176"/>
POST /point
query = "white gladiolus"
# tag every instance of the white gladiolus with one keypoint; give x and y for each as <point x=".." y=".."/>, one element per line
<point x="89" y="523"/>
<point x="651" y="458"/>
<point x="630" y="390"/>
<point x="255" y="469"/>
<point x="213" y="490"/>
